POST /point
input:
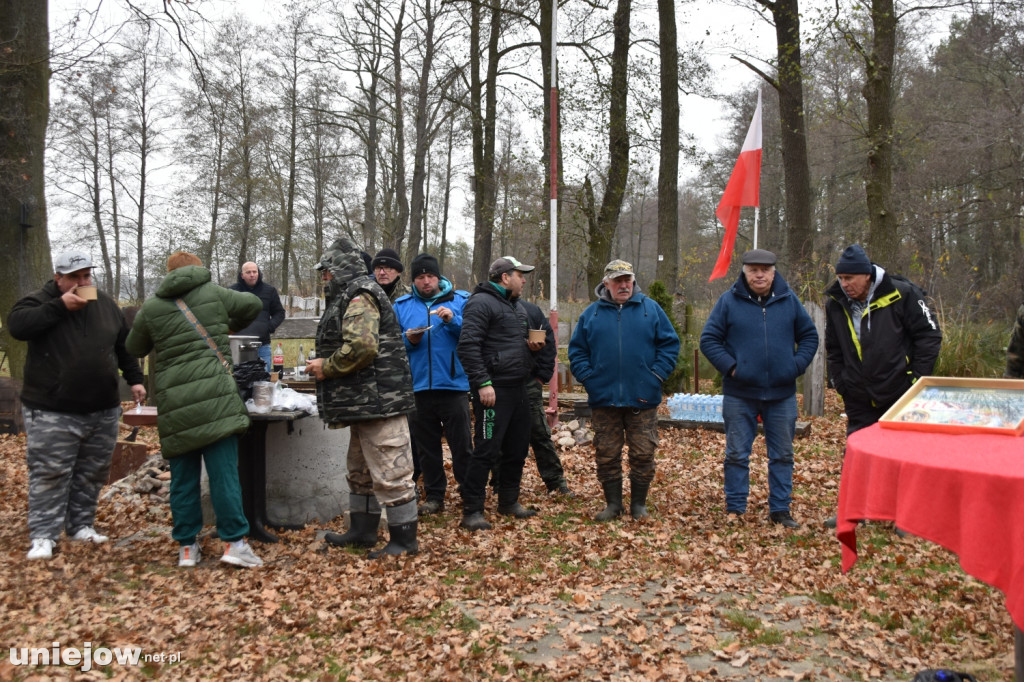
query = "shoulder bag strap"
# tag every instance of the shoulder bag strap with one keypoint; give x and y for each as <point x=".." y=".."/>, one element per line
<point x="198" y="326"/>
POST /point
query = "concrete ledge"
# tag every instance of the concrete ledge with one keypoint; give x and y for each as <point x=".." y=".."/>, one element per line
<point x="803" y="429"/>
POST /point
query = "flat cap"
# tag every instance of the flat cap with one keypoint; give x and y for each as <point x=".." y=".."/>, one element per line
<point x="759" y="257"/>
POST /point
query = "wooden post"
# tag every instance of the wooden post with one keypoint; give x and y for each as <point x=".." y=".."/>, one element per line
<point x="814" y="378"/>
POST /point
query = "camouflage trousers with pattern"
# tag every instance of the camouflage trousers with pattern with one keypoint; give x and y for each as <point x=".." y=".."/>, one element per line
<point x="68" y="461"/>
<point x="618" y="426"/>
<point x="380" y="460"/>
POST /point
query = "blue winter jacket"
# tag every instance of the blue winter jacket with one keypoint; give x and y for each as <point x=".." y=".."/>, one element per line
<point x="434" y="364"/>
<point x="623" y="354"/>
<point x="769" y="341"/>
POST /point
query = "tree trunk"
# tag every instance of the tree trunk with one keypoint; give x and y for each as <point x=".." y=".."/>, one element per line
<point x="877" y="91"/>
<point x="668" y="167"/>
<point x="483" y="114"/>
<point x="401" y="192"/>
<point x="419" y="173"/>
<point x="618" y="151"/>
<point x="795" y="166"/>
<point x="25" y="262"/>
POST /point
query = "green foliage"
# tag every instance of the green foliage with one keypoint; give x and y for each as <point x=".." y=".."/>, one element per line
<point x="972" y="349"/>
<point x="659" y="294"/>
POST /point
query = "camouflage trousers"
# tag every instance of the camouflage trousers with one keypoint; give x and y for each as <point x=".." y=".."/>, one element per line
<point x="68" y="460"/>
<point x="380" y="460"/>
<point x="618" y="426"/>
<point x="549" y="466"/>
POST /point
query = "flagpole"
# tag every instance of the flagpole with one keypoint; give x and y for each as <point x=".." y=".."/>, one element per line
<point x="757" y="213"/>
<point x="552" y="410"/>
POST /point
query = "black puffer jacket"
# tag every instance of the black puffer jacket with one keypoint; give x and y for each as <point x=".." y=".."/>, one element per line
<point x="272" y="315"/>
<point x="492" y="346"/>
<point x="899" y="342"/>
<point x="544" y="359"/>
<point x="73" y="357"/>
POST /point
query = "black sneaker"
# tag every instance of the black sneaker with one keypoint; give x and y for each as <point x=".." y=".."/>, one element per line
<point x="829" y="522"/>
<point x="783" y="518"/>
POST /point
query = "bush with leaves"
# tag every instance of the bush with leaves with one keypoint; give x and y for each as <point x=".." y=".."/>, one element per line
<point x="675" y="381"/>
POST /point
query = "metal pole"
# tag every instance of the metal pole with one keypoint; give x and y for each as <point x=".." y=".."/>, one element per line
<point x="552" y="410"/>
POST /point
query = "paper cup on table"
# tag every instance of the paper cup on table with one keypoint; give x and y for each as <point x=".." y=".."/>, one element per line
<point x="537" y="335"/>
<point x="87" y="291"/>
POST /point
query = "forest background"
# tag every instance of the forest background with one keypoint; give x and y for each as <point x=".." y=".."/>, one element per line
<point x="423" y="126"/>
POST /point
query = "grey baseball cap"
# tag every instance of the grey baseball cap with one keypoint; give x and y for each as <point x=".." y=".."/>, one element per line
<point x="72" y="261"/>
<point x="507" y="264"/>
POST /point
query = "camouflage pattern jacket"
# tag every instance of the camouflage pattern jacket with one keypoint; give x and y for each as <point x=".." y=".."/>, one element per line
<point x="374" y="390"/>
<point x="1015" y="349"/>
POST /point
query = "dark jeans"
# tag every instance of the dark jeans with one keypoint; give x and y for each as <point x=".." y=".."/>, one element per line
<point x="549" y="466"/>
<point x="441" y="413"/>
<point x="501" y="437"/>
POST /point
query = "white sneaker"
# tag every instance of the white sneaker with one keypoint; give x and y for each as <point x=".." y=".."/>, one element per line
<point x="189" y="555"/>
<point x="89" y="534"/>
<point x="240" y="555"/>
<point x="42" y="548"/>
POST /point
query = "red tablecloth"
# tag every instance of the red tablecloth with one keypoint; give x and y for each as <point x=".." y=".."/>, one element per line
<point x="965" y="493"/>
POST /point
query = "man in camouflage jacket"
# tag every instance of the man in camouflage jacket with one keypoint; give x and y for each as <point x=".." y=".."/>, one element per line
<point x="1015" y="349"/>
<point x="364" y="383"/>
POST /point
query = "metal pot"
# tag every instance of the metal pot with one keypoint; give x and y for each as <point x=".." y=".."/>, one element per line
<point x="244" y="348"/>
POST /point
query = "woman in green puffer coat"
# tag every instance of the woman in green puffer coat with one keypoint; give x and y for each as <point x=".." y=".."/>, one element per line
<point x="201" y="413"/>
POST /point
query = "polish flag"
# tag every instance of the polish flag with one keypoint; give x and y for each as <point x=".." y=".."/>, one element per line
<point x="743" y="190"/>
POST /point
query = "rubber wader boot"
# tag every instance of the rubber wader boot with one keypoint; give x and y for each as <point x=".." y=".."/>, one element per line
<point x="402" y="522"/>
<point x="638" y="500"/>
<point x="613" y="496"/>
<point x="364" y="519"/>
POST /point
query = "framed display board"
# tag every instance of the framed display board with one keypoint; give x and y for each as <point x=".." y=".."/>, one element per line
<point x="960" y="405"/>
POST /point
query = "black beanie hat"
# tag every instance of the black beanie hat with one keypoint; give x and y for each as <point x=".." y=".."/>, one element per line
<point x="854" y="262"/>
<point x="388" y="258"/>
<point x="424" y="264"/>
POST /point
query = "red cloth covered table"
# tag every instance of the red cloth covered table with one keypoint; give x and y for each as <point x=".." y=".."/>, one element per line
<point x="964" y="492"/>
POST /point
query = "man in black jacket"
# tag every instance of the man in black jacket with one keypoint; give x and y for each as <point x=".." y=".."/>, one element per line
<point x="494" y="352"/>
<point x="880" y="338"/>
<point x="70" y="399"/>
<point x="250" y="280"/>
<point x="549" y="466"/>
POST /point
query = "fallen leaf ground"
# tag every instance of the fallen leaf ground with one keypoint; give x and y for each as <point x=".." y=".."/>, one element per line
<point x="683" y="595"/>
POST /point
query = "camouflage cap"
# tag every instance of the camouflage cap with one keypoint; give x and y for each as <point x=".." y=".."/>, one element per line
<point x="618" y="268"/>
<point x="338" y="248"/>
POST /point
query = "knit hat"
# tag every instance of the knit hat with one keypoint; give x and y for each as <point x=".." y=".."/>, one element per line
<point x="854" y="261"/>
<point x="72" y="261"/>
<point x="424" y="264"/>
<point x="507" y="264"/>
<point x="388" y="258"/>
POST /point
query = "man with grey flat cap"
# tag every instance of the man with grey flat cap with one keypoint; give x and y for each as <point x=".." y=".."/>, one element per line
<point x="761" y="339"/>
<point x="70" y="399"/>
<point x="494" y="350"/>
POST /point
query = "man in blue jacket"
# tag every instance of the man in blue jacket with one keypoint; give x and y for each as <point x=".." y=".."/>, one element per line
<point x="622" y="350"/>
<point x="431" y="320"/>
<point x="761" y="339"/>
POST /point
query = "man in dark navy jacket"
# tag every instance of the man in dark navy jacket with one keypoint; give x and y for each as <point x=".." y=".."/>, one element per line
<point x="761" y="339"/>
<point x="250" y="280"/>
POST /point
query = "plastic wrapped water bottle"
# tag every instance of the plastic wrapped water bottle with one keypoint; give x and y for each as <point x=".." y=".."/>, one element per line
<point x="718" y="409"/>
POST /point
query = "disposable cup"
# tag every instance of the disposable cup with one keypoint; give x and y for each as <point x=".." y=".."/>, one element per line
<point x="86" y="291"/>
<point x="537" y="335"/>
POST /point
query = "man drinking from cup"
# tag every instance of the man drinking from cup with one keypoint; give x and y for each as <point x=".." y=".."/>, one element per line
<point x="70" y="399"/>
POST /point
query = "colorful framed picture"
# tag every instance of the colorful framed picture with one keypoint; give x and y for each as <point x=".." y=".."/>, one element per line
<point x="960" y="405"/>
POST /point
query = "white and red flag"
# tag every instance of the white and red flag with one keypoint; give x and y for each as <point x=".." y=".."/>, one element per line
<point x="744" y="189"/>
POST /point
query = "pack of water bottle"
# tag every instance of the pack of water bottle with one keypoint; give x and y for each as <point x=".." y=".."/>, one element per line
<point x="695" y="407"/>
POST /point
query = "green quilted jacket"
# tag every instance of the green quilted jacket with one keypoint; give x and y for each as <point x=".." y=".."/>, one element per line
<point x="198" y="398"/>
